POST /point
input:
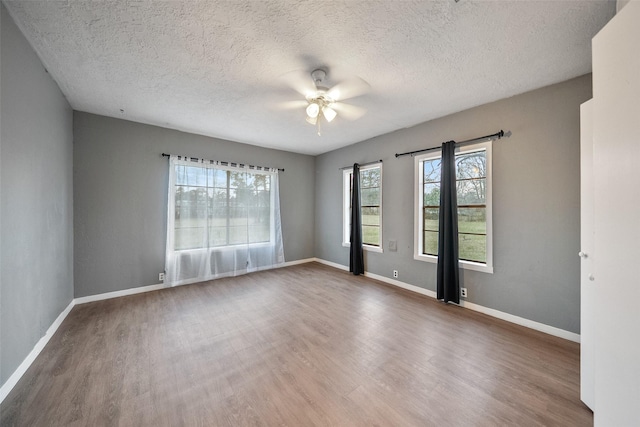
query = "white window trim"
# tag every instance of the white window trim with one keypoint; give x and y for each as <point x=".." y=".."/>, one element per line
<point x="418" y="211"/>
<point x="346" y="202"/>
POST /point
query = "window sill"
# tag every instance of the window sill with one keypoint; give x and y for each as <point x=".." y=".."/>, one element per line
<point x="368" y="248"/>
<point x="467" y="265"/>
<point x="228" y="247"/>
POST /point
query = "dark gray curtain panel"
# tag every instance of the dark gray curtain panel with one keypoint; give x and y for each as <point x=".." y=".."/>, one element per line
<point x="448" y="286"/>
<point x="356" y="256"/>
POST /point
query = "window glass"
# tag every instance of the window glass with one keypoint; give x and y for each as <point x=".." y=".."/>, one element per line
<point x="370" y="205"/>
<point x="474" y="209"/>
<point x="216" y="207"/>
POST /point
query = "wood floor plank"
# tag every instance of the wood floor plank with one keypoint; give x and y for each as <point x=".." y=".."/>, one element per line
<point x="307" y="345"/>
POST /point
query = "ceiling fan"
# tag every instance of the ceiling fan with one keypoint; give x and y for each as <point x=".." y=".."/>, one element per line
<point x="324" y="103"/>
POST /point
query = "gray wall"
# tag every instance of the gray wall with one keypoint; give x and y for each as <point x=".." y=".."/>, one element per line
<point x="120" y="198"/>
<point x="536" y="202"/>
<point x="620" y="4"/>
<point x="36" y="205"/>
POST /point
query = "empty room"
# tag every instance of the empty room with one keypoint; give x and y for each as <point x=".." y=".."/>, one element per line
<point x="313" y="213"/>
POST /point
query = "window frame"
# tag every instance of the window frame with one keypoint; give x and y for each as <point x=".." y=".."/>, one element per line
<point x="346" y="211"/>
<point x="228" y="170"/>
<point x="419" y="200"/>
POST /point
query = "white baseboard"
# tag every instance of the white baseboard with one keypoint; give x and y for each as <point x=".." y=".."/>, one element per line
<point x="150" y="288"/>
<point x="551" y="330"/>
<point x="26" y="363"/>
<point x="116" y="294"/>
<point x="296" y="262"/>
<point x="403" y="285"/>
<point x="332" y="264"/>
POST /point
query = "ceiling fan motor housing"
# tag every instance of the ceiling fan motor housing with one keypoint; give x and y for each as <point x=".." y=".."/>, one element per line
<point x="318" y="76"/>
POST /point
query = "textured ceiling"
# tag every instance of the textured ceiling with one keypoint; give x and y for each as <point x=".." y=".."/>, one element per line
<point x="215" y="67"/>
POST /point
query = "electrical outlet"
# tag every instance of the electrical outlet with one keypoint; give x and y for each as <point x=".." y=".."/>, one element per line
<point x="161" y="277"/>
<point x="395" y="274"/>
<point x="463" y="292"/>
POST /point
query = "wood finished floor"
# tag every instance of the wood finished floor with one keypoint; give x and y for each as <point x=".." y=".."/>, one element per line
<point x="307" y="345"/>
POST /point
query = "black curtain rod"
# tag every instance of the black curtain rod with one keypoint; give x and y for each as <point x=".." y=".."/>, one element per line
<point x="496" y="135"/>
<point x="362" y="164"/>
<point x="228" y="163"/>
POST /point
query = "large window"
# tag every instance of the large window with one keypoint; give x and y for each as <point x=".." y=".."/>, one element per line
<point x="217" y="207"/>
<point x="223" y="220"/>
<point x="371" y="206"/>
<point x="473" y="184"/>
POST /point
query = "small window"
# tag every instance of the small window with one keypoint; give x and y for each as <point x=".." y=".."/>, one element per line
<point x="473" y="184"/>
<point x="370" y="204"/>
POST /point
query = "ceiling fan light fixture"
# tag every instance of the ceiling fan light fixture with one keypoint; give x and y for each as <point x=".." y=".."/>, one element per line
<point x="325" y="103"/>
<point x="312" y="110"/>
<point x="329" y="113"/>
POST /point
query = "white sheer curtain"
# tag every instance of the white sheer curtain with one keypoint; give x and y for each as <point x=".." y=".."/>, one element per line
<point x="223" y="220"/>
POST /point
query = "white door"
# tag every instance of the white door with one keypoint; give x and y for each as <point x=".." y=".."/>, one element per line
<point x="587" y="284"/>
<point x="616" y="165"/>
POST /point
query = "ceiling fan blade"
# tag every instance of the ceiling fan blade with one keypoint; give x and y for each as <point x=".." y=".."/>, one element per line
<point x="349" y="89"/>
<point x="292" y="105"/>
<point x="301" y="82"/>
<point x="349" y="112"/>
